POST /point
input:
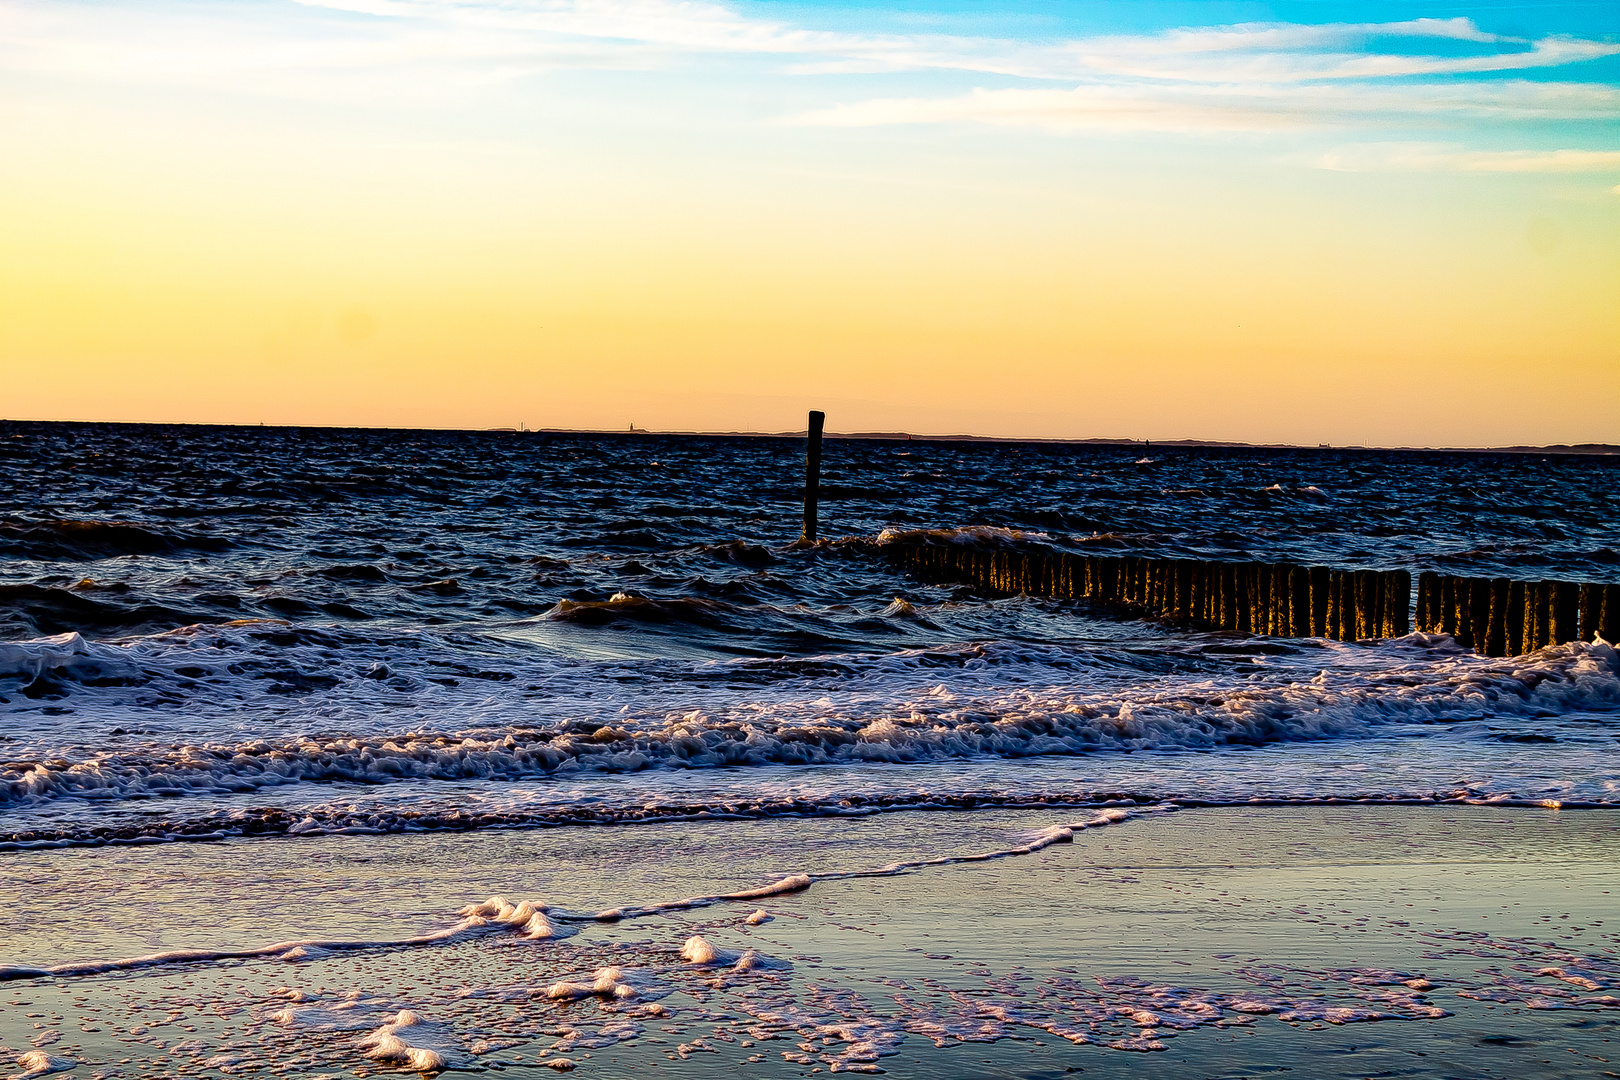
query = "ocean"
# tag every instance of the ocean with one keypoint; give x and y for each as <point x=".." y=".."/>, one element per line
<point x="238" y="646"/>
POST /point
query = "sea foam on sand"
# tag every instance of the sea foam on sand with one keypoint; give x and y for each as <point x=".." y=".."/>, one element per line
<point x="1153" y="937"/>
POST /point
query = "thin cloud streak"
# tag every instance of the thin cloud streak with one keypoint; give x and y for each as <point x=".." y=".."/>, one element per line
<point x="1265" y="66"/>
<point x="1259" y="52"/>
<point x="1245" y="77"/>
<point x="619" y="33"/>
<point x="1233" y="108"/>
<point x="1430" y="157"/>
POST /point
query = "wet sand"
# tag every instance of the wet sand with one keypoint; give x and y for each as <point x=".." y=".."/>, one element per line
<point x="1349" y="941"/>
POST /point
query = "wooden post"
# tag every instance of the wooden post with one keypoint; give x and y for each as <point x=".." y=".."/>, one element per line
<point x="812" y="475"/>
<point x="1299" y="601"/>
<point x="1608" y="626"/>
<point x="1591" y="610"/>
<point x="1479" y="612"/>
<point x="1463" y="595"/>
<point x="1198" y="591"/>
<point x="1316" y="586"/>
<point x="1496" y="627"/>
<point x="1277" y="599"/>
<point x="1537" y="601"/>
<point x="1369" y="613"/>
<point x="1255" y="600"/>
<point x="1517" y="619"/>
<point x="1334" y="619"/>
<point x="1428" y="602"/>
<point x="1397" y="603"/>
<point x="1110" y="568"/>
<point x="1565" y="605"/>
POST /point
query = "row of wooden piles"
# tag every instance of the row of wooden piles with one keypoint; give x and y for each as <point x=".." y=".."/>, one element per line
<point x="1283" y="599"/>
<point x="1494" y="616"/>
<point x="1501" y="617"/>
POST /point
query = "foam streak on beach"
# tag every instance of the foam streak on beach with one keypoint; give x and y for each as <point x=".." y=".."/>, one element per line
<point x="595" y="765"/>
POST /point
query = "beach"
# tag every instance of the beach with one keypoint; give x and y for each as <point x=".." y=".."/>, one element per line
<point x="1333" y="941"/>
<point x="365" y="753"/>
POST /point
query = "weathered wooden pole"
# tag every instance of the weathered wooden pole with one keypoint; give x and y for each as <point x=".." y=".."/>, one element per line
<point x="1515" y="631"/>
<point x="812" y="475"/>
<point x="1499" y="621"/>
<point x="1608" y="625"/>
<point x="1564" y="600"/>
<point x="1479" y="613"/>
<point x="1537" y="615"/>
<point x="1397" y="603"/>
<point x="1428" y="602"/>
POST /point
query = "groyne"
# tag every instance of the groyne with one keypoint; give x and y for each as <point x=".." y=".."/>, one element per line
<point x="1502" y="617"/>
<point x="1496" y="616"/>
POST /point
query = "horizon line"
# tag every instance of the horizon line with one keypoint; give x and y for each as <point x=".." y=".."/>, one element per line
<point x="1587" y="449"/>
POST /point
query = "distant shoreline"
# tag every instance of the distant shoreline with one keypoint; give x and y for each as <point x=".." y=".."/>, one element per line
<point x="1578" y="449"/>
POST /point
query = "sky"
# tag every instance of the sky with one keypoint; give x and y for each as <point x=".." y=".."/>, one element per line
<point x="1313" y="222"/>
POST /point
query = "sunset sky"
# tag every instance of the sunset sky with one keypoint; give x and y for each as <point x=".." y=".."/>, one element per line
<point x="1380" y="223"/>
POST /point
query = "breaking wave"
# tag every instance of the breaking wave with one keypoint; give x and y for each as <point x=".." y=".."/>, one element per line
<point x="999" y="701"/>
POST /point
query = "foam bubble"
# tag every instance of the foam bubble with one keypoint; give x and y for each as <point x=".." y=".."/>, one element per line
<point x="410" y="1040"/>
<point x="698" y="951"/>
<point x="39" y="1063"/>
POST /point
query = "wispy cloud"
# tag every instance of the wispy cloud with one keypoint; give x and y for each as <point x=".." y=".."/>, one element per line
<point x="646" y="31"/>
<point x="1233" y="107"/>
<point x="1247" y="77"/>
<point x="1303" y="66"/>
<point x="1254" y="52"/>
<point x="1431" y="157"/>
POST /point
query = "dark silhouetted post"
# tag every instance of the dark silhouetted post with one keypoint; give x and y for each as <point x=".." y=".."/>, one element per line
<point x="1499" y="622"/>
<point x="812" y="475"/>
<point x="1564" y="600"/>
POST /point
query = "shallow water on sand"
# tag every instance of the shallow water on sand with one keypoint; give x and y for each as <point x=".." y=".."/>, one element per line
<point x="1334" y="941"/>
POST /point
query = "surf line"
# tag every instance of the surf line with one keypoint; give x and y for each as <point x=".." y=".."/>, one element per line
<point x="537" y="921"/>
<point x="1056" y="834"/>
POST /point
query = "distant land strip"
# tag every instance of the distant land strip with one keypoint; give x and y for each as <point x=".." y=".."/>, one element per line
<point x="1590" y="449"/>
<point x="1585" y="449"/>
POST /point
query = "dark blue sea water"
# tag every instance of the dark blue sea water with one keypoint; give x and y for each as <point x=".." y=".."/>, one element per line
<point x="210" y="631"/>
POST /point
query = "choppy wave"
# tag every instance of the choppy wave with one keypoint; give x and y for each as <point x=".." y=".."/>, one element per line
<point x="210" y="631"/>
<point x="84" y="540"/>
<point x="985" y="702"/>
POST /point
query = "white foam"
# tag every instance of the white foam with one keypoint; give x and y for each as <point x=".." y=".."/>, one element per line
<point x="995" y="700"/>
<point x="609" y="1034"/>
<point x="527" y="918"/>
<point x="992" y="536"/>
<point x="789" y="884"/>
<point x="317" y="1012"/>
<point x="524" y="920"/>
<point x="410" y="1040"/>
<point x="39" y="1063"/>
<point x="611" y="983"/>
<point x="698" y="951"/>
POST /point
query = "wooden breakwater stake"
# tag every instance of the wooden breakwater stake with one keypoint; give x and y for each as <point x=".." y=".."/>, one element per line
<point x="812" y="475"/>
<point x="1493" y="616"/>
<point x="1281" y="599"/>
<point x="1500" y="617"/>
